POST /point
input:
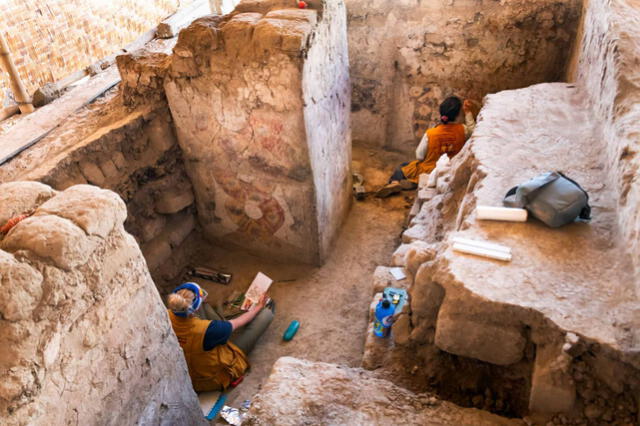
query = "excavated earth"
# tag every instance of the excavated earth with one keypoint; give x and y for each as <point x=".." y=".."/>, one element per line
<point x="551" y="337"/>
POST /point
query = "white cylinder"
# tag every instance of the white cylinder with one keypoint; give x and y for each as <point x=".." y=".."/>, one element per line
<point x="492" y="254"/>
<point x="501" y="213"/>
<point x="481" y="244"/>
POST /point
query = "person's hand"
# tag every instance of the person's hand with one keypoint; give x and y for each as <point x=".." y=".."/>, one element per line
<point x="261" y="303"/>
<point x="467" y="105"/>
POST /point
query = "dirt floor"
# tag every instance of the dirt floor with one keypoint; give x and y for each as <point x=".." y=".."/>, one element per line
<point x="331" y="302"/>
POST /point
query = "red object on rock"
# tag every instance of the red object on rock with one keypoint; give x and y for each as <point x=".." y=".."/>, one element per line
<point x="236" y="382"/>
<point x="302" y="5"/>
<point x="13" y="222"/>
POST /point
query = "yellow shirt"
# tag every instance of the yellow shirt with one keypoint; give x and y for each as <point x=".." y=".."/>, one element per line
<point x="209" y="370"/>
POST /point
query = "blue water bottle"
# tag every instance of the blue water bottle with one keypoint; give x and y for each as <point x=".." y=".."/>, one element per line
<point x="384" y="317"/>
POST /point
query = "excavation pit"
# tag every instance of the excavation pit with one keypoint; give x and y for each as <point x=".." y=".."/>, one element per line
<point x="231" y="148"/>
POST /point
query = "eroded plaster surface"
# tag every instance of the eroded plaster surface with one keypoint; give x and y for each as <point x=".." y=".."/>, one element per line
<point x="263" y="125"/>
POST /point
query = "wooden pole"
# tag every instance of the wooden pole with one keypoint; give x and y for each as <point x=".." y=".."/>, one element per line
<point x="17" y="87"/>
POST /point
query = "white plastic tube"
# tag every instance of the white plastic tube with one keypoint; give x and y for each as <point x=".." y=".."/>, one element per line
<point x="492" y="254"/>
<point x="501" y="213"/>
<point x="482" y="244"/>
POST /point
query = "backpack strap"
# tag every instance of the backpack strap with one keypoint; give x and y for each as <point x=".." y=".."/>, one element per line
<point x="509" y="199"/>
<point x="585" y="213"/>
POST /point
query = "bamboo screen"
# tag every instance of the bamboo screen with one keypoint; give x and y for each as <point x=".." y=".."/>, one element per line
<point x="50" y="39"/>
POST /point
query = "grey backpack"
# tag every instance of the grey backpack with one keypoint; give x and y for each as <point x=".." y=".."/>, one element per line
<point x="552" y="198"/>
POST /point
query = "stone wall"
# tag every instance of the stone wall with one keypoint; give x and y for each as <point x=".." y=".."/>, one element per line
<point x="553" y="332"/>
<point x="86" y="339"/>
<point x="407" y="56"/>
<point x="608" y="71"/>
<point x="133" y="153"/>
<point x="247" y="92"/>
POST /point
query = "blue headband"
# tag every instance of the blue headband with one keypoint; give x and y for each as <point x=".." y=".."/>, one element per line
<point x="197" y="300"/>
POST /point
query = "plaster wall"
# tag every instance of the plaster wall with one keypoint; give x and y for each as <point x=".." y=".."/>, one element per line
<point x="608" y="71"/>
<point x="268" y="175"/>
<point x="327" y="100"/>
<point x="406" y="56"/>
<point x="86" y="339"/>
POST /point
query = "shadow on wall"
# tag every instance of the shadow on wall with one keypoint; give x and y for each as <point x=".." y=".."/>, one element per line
<point x="406" y="58"/>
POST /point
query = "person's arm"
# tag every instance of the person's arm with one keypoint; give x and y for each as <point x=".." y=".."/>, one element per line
<point x="469" y="122"/>
<point x="248" y="316"/>
<point x="421" y="151"/>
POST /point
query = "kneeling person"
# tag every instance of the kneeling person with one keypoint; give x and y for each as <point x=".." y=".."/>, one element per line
<point x="448" y="137"/>
<point x="214" y="361"/>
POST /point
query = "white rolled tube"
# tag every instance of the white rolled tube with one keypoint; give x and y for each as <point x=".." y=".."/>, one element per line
<point x="501" y="213"/>
<point x="481" y="244"/>
<point x="492" y="254"/>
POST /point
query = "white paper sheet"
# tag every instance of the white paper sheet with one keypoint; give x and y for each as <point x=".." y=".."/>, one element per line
<point x="258" y="287"/>
<point x="397" y="273"/>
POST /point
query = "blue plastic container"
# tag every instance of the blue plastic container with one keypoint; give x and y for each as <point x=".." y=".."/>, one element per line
<point x="384" y="317"/>
<point x="291" y="331"/>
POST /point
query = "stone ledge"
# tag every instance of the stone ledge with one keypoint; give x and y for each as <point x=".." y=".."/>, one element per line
<point x="576" y="280"/>
<point x="304" y="392"/>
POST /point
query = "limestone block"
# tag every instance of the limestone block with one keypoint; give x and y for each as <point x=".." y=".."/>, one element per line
<point x="142" y="73"/>
<point x="19" y="197"/>
<point x="417" y="232"/>
<point x="476" y="336"/>
<point x="180" y="227"/>
<point x="397" y="259"/>
<point x="426" y="194"/>
<point x="401" y="330"/>
<point x="156" y="252"/>
<point x="415" y="209"/>
<point x="109" y="169"/>
<point x="425" y="298"/>
<point x="161" y="137"/>
<point x="423" y="181"/>
<point x="286" y="29"/>
<point x="237" y="33"/>
<point x="552" y="387"/>
<point x="51" y="237"/>
<point x="92" y="172"/>
<point x="433" y="180"/>
<point x="119" y="160"/>
<point x="442" y="186"/>
<point x="97" y="211"/>
<point x="418" y="253"/>
<point x="174" y="200"/>
<point x="151" y="227"/>
<point x="375" y="349"/>
<point x="21" y="288"/>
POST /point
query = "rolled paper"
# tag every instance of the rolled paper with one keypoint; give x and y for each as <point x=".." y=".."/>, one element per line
<point x="482" y="244"/>
<point x="492" y="254"/>
<point x="501" y="213"/>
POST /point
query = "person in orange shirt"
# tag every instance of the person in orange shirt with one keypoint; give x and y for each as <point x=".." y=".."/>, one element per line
<point x="448" y="137"/>
<point x="215" y="359"/>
